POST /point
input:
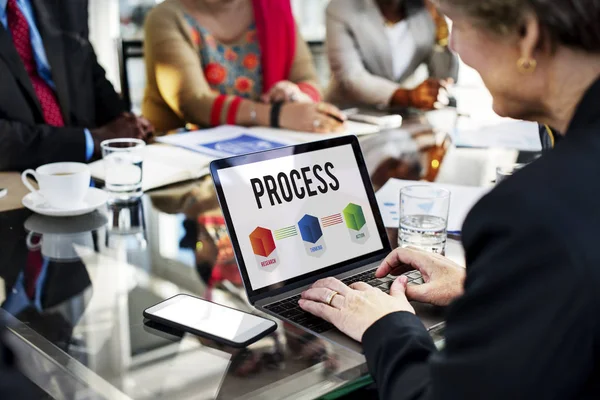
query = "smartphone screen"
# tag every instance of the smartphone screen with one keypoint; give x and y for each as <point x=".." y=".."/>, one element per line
<point x="213" y="319"/>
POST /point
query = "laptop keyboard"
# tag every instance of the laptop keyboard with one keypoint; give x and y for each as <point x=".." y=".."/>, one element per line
<point x="289" y="308"/>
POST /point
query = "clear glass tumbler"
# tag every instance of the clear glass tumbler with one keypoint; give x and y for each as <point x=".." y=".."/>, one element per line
<point x="424" y="218"/>
<point x="123" y="159"/>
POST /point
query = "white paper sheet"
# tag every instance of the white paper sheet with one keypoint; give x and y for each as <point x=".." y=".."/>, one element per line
<point x="229" y="140"/>
<point x="352" y="128"/>
<point x="164" y="165"/>
<point x="462" y="199"/>
<point x="226" y="141"/>
<point x="503" y="133"/>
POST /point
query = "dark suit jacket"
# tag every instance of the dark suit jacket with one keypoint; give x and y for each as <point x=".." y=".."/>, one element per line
<point x="86" y="98"/>
<point x="528" y="324"/>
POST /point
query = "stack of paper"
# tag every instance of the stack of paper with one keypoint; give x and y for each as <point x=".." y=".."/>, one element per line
<point x="462" y="199"/>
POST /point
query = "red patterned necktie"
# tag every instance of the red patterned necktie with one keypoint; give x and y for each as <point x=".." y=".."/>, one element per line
<point x="33" y="269"/>
<point x="19" y="28"/>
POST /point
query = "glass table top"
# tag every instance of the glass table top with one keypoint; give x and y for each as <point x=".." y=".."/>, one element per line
<point x="74" y="289"/>
<point x="72" y="292"/>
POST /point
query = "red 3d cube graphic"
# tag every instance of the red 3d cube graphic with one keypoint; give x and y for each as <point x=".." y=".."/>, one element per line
<point x="262" y="242"/>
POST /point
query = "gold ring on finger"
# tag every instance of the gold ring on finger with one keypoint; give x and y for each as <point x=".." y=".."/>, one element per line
<point x="331" y="296"/>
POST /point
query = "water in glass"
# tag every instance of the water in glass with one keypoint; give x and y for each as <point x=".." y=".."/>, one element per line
<point x="425" y="232"/>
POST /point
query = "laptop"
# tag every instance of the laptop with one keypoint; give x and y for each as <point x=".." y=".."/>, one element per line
<point x="302" y="213"/>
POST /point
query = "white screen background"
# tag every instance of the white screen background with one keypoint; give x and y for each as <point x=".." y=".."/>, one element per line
<point x="207" y="317"/>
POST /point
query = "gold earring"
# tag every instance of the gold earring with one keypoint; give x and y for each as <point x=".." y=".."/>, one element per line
<point x="526" y="65"/>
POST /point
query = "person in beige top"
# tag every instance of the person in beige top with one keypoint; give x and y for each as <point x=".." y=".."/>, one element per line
<point x="388" y="53"/>
<point x="243" y="62"/>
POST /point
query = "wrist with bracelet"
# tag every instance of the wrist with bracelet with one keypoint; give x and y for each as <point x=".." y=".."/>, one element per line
<point x="402" y="98"/>
<point x="253" y="115"/>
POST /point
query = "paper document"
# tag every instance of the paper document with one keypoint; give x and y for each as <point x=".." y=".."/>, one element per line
<point x="231" y="140"/>
<point x="505" y="133"/>
<point x="462" y="199"/>
<point x="224" y="141"/>
<point x="352" y="128"/>
<point x="164" y="165"/>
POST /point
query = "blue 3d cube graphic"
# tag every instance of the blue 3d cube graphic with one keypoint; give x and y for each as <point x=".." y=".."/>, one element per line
<point x="310" y="229"/>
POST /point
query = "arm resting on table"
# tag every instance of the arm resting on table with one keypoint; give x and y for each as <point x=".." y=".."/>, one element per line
<point x="25" y="146"/>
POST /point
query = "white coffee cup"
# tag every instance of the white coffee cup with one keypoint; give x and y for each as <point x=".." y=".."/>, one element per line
<point x="63" y="185"/>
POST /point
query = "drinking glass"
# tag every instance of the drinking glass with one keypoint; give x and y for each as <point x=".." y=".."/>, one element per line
<point x="123" y="160"/>
<point x="424" y="218"/>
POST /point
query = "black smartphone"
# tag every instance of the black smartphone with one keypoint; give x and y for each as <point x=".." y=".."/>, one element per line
<point x="210" y="320"/>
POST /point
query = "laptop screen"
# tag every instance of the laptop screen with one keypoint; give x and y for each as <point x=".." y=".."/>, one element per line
<point x="297" y="214"/>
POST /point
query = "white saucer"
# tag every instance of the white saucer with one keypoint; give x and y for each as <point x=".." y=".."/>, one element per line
<point x="93" y="199"/>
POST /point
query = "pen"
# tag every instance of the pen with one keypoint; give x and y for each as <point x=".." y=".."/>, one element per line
<point x="338" y="119"/>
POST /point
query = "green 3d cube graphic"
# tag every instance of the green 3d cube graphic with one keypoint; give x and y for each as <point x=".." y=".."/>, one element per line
<point x="354" y="216"/>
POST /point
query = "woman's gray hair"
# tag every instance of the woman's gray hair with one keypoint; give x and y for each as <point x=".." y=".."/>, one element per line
<point x="572" y="23"/>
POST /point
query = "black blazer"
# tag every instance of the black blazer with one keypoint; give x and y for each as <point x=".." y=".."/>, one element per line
<point x="528" y="324"/>
<point x="86" y="97"/>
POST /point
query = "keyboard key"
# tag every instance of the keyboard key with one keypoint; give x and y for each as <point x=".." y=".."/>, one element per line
<point x="414" y="274"/>
<point x="288" y="306"/>
<point x="375" y="282"/>
<point x="312" y="322"/>
<point x="289" y="313"/>
<point x="419" y="281"/>
<point x="276" y="309"/>
<point x="301" y="317"/>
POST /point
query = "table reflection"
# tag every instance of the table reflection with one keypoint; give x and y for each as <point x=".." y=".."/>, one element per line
<point x="126" y="228"/>
<point x="81" y="284"/>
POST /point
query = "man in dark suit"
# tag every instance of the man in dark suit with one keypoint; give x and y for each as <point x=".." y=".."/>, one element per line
<point x="55" y="103"/>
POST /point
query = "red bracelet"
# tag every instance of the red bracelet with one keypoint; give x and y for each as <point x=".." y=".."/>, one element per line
<point x="233" y="109"/>
<point x="215" y="114"/>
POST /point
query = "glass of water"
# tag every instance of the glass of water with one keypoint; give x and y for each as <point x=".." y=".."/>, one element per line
<point x="123" y="160"/>
<point x="424" y="218"/>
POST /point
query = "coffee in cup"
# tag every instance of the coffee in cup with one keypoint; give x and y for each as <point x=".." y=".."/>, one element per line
<point x="63" y="185"/>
